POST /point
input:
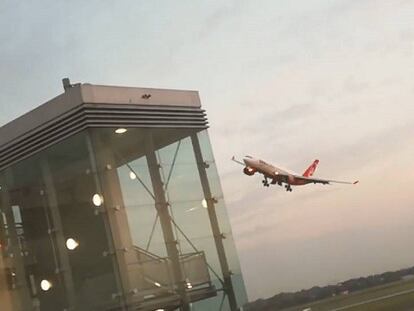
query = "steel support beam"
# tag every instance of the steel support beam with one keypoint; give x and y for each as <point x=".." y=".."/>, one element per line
<point x="63" y="267"/>
<point x="115" y="224"/>
<point x="161" y="205"/>
<point x="215" y="227"/>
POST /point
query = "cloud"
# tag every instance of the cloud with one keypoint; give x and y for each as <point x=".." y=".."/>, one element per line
<point x="220" y="15"/>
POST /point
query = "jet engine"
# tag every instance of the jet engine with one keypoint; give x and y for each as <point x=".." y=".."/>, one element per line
<point x="249" y="171"/>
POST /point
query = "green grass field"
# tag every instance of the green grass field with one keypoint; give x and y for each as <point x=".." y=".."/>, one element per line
<point x="376" y="298"/>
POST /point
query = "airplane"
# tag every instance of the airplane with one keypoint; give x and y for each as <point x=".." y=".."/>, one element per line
<point x="279" y="176"/>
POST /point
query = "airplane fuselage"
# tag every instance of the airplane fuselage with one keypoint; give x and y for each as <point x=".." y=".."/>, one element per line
<point x="276" y="174"/>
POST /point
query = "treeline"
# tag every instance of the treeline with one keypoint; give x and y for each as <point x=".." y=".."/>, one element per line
<point x="285" y="300"/>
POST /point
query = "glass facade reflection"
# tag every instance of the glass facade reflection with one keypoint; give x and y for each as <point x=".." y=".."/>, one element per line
<point x="133" y="220"/>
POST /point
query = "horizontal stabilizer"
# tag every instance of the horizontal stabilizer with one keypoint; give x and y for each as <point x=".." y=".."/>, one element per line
<point x="237" y="161"/>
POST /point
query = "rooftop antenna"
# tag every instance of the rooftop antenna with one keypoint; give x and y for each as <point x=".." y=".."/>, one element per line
<point x="66" y="84"/>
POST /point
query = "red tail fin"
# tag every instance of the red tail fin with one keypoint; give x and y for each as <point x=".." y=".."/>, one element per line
<point x="311" y="169"/>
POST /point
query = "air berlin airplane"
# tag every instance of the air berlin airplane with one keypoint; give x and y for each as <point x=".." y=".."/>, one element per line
<point x="280" y="176"/>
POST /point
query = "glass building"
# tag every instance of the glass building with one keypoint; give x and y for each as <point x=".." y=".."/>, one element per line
<point x="110" y="200"/>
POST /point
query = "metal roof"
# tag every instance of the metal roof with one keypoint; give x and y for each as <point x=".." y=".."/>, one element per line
<point x="85" y="105"/>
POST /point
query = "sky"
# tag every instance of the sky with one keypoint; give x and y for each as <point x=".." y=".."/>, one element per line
<point x="286" y="81"/>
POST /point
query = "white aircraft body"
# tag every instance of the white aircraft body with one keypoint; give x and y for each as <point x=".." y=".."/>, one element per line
<point x="280" y="176"/>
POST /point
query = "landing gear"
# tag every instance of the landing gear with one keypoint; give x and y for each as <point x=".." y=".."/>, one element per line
<point x="265" y="182"/>
<point x="288" y="188"/>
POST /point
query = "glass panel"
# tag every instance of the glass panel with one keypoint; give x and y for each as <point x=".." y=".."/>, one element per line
<point x="74" y="184"/>
<point x="105" y="221"/>
<point x="53" y="240"/>
<point x="160" y="190"/>
<point x="222" y="216"/>
<point x="135" y="182"/>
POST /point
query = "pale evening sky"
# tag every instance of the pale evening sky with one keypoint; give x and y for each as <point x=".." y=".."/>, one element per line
<point x="288" y="81"/>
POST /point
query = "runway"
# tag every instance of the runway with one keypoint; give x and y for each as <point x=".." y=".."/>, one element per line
<point x="408" y="291"/>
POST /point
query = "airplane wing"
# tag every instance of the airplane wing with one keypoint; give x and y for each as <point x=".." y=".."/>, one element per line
<point x="237" y="161"/>
<point x="325" y="181"/>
